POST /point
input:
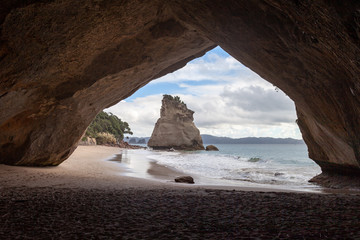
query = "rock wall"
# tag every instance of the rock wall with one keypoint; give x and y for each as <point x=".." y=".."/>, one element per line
<point x="175" y="128"/>
<point x="310" y="50"/>
<point x="63" y="61"/>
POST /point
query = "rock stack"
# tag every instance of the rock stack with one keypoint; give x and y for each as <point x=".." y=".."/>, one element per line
<point x="175" y="129"/>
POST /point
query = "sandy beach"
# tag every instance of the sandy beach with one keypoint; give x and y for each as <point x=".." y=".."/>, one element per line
<point x="89" y="197"/>
<point x="97" y="167"/>
<point x="86" y="168"/>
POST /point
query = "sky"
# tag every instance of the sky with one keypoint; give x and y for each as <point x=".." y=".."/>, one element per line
<point x="229" y="100"/>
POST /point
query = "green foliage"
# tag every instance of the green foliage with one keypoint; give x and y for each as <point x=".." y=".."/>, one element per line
<point x="108" y="123"/>
<point x="176" y="98"/>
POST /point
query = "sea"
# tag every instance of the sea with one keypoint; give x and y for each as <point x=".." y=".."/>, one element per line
<point x="284" y="166"/>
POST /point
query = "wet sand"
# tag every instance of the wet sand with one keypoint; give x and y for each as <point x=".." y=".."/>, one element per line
<point x="87" y="198"/>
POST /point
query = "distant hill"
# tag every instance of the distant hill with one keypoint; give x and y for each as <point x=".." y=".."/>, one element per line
<point x="209" y="139"/>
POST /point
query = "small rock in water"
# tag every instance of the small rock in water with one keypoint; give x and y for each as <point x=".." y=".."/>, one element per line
<point x="211" y="148"/>
<point x="254" y="159"/>
<point x="184" y="179"/>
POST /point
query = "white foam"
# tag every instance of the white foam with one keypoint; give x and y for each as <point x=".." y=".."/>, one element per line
<point x="229" y="167"/>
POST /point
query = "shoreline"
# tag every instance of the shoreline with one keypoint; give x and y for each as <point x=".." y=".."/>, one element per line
<point x="97" y="167"/>
<point x="166" y="174"/>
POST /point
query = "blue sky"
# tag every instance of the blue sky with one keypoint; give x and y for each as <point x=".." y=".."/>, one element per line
<point x="228" y="99"/>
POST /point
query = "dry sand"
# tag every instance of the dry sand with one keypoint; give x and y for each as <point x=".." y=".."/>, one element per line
<point x="86" y="197"/>
<point x="87" y="167"/>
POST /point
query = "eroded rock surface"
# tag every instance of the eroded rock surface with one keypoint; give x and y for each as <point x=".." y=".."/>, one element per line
<point x="175" y="128"/>
<point x="64" y="61"/>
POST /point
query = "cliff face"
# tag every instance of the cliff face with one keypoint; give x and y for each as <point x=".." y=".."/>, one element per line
<point x="175" y="128"/>
<point x="61" y="62"/>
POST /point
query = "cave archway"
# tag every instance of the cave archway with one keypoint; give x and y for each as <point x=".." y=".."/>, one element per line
<point x="64" y="61"/>
<point x="229" y="100"/>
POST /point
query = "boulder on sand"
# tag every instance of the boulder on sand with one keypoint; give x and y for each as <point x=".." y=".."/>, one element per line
<point x="184" y="179"/>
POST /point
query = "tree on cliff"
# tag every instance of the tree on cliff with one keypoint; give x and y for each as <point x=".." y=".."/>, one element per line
<point x="108" y="123"/>
<point x="176" y="98"/>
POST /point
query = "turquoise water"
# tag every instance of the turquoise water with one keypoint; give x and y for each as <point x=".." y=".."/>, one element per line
<point x="287" y="154"/>
<point x="246" y="165"/>
<point x="284" y="165"/>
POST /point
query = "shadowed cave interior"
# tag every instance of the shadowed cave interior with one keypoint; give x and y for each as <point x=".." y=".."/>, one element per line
<point x="62" y="62"/>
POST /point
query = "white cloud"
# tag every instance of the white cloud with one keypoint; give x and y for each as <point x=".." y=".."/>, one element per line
<point x="255" y="98"/>
<point x="141" y="114"/>
<point x="215" y="68"/>
<point x="235" y="102"/>
<point x="213" y="115"/>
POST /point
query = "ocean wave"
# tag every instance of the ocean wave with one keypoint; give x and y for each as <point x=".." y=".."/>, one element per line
<point x="235" y="168"/>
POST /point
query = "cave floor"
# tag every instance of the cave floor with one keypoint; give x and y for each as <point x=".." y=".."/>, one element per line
<point x="68" y="213"/>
